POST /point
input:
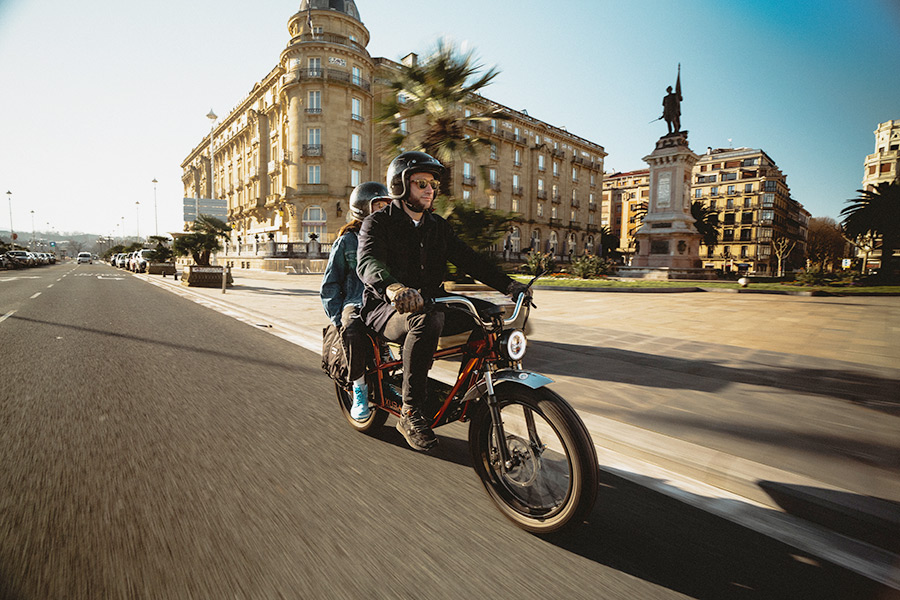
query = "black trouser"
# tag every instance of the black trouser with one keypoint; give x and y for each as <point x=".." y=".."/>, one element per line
<point x="356" y="341"/>
<point x="419" y="333"/>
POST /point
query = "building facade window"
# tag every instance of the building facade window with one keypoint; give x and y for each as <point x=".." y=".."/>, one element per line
<point x="314" y="101"/>
<point x="314" y="174"/>
<point x="314" y="67"/>
<point x="356" y="109"/>
<point x="355" y="177"/>
<point x="541" y="164"/>
<point x="314" y="221"/>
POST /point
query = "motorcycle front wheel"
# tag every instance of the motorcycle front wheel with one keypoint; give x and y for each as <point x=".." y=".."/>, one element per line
<point x="551" y="481"/>
<point x="376" y="419"/>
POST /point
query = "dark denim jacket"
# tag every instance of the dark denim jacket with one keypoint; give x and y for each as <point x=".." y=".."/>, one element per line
<point x="341" y="284"/>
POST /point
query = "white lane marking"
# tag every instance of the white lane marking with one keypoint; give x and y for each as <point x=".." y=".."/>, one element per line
<point x="35" y="296"/>
<point x="110" y="278"/>
<point x="18" y="277"/>
<point x="7" y="315"/>
<point x="50" y="286"/>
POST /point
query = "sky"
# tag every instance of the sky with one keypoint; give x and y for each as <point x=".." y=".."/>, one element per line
<point x="99" y="97"/>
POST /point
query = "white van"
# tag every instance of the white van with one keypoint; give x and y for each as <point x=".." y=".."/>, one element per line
<point x="85" y="257"/>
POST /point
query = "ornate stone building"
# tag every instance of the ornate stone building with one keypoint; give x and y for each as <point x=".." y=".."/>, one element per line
<point x="288" y="155"/>
<point x="880" y="167"/>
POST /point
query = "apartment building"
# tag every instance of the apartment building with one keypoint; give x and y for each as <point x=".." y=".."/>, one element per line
<point x="288" y="155"/>
<point x="747" y="190"/>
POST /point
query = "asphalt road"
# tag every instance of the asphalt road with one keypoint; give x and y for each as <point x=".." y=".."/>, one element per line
<point x="152" y="448"/>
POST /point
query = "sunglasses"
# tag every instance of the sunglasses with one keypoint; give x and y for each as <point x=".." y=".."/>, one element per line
<point x="424" y="183"/>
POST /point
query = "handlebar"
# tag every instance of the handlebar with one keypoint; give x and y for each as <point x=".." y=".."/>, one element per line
<point x="463" y="301"/>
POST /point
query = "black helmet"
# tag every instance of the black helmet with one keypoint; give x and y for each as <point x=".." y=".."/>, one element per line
<point x="363" y="196"/>
<point x="406" y="164"/>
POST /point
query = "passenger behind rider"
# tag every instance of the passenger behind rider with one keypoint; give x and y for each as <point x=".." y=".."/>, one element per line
<point x="402" y="260"/>
<point x="342" y="291"/>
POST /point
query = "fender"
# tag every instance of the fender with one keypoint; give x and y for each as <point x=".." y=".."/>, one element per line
<point x="516" y="376"/>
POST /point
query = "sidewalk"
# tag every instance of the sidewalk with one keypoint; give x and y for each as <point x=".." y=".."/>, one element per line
<point x="781" y="413"/>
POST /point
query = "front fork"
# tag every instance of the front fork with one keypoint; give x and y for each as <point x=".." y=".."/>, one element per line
<point x="497" y="422"/>
<point x="528" y="379"/>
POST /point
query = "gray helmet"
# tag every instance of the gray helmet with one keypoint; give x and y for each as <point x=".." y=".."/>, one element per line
<point x="363" y="196"/>
<point x="406" y="164"/>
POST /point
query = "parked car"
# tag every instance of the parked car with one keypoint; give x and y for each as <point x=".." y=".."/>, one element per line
<point x="19" y="258"/>
<point x="142" y="259"/>
<point x="85" y="257"/>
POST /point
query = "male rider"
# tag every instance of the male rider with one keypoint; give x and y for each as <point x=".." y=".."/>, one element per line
<point x="402" y="259"/>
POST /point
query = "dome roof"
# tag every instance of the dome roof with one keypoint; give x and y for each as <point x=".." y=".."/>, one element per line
<point x="348" y="7"/>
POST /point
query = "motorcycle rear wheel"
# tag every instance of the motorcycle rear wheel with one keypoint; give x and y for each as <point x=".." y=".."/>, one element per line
<point x="376" y="419"/>
<point x="552" y="482"/>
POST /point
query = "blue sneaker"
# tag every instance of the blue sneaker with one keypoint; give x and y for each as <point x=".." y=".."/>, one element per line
<point x="359" y="410"/>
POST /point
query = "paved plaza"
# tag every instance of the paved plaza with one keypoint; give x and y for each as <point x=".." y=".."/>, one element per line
<point x="770" y="409"/>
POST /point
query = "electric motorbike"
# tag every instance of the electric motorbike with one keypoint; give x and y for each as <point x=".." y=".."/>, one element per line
<point x="529" y="447"/>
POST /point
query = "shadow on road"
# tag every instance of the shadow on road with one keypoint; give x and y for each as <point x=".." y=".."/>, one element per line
<point x="612" y="364"/>
<point x="664" y="541"/>
<point x="239" y="358"/>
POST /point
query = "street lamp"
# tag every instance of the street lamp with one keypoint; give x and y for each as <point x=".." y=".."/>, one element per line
<point x="155" y="216"/>
<point x="137" y="224"/>
<point x="212" y="181"/>
<point x="32" y="230"/>
<point x="12" y="232"/>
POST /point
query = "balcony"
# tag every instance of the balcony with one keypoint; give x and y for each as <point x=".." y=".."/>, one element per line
<point x="520" y="139"/>
<point x="358" y="156"/>
<point x="273" y="166"/>
<point x="557" y="153"/>
<point x="468" y="180"/>
<point x="576" y="203"/>
<point x="592" y="206"/>
<point x="542" y="194"/>
<point x="578" y="160"/>
<point x="556" y="199"/>
<point x="312" y="149"/>
<point x="555" y="222"/>
<point x="313" y="189"/>
<point x="358" y="118"/>
<point x="313" y="111"/>
<point x="517" y="190"/>
<point x="574" y="224"/>
<point x="494" y="185"/>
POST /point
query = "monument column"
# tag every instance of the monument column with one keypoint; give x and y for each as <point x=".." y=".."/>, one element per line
<point x="667" y="238"/>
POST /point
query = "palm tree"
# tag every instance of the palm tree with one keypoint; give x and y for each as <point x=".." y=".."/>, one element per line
<point x="202" y="240"/>
<point x="608" y="242"/>
<point x="441" y="89"/>
<point x="876" y="212"/>
<point x="706" y="220"/>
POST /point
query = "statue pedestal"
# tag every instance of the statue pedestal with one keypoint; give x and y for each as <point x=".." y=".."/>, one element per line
<point x="667" y="239"/>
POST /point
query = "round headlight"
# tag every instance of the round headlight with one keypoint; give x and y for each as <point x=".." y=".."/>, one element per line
<point x="515" y="345"/>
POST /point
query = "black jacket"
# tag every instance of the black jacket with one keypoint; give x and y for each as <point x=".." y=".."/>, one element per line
<point x="393" y="250"/>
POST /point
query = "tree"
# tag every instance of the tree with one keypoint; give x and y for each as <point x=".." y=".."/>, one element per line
<point x="824" y="242"/>
<point x="706" y="221"/>
<point x="478" y="227"/>
<point x="609" y="243"/>
<point x="782" y="248"/>
<point x="876" y="212"/>
<point x="202" y="240"/>
<point x="441" y="89"/>
<point x="162" y="252"/>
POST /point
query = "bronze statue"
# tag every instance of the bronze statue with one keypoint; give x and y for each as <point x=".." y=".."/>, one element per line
<point x="672" y="106"/>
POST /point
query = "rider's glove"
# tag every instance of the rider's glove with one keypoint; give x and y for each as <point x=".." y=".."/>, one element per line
<point x="404" y="299"/>
<point x="515" y="288"/>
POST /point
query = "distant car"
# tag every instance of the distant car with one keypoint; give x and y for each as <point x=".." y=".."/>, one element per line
<point x="85" y="257"/>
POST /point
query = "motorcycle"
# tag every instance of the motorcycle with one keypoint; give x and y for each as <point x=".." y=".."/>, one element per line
<point x="528" y="446"/>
